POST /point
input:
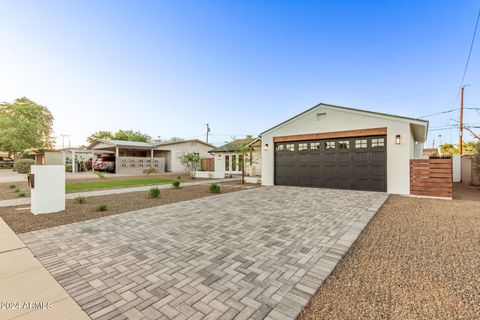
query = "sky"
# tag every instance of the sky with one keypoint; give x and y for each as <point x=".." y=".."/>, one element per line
<point x="167" y="68"/>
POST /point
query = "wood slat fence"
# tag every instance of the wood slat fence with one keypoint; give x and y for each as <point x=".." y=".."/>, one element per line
<point x="207" y="164"/>
<point x="431" y="177"/>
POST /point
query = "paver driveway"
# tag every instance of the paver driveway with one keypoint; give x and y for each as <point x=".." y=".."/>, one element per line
<point x="253" y="254"/>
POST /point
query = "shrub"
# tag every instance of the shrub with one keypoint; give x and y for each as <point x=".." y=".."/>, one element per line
<point x="16" y="190"/>
<point x="214" y="188"/>
<point x="154" y="193"/>
<point x="21" y="194"/>
<point x="178" y="178"/>
<point x="79" y="199"/>
<point x="12" y="186"/>
<point x="68" y="168"/>
<point x="100" y="174"/>
<point x="102" y="207"/>
<point x="23" y="165"/>
<point x="150" y="170"/>
<point x="176" y="184"/>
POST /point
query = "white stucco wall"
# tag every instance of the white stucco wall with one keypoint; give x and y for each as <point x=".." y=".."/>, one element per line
<point x="398" y="156"/>
<point x="48" y="194"/>
<point x="177" y="149"/>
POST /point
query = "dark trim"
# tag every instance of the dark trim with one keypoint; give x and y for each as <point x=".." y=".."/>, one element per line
<point x="348" y="109"/>
<point x="333" y="134"/>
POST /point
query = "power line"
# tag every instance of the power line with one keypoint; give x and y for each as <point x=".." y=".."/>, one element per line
<point x="468" y="58"/>
<point x="447" y="111"/>
<point x="442" y="112"/>
<point x="471" y="48"/>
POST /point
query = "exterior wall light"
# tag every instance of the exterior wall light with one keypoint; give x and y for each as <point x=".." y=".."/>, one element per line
<point x="266" y="147"/>
<point x="397" y="139"/>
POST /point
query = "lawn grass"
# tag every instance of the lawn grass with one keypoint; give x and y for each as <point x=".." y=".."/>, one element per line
<point x="82" y="186"/>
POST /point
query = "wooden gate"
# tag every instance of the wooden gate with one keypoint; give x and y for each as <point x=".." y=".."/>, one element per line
<point x="431" y="178"/>
<point x="207" y="164"/>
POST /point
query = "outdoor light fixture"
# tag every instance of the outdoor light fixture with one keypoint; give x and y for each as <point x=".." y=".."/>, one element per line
<point x="266" y="147"/>
<point x="397" y="139"/>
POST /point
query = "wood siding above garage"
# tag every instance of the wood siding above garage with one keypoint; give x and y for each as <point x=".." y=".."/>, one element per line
<point x="330" y="135"/>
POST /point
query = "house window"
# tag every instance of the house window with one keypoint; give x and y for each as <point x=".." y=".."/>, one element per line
<point x="279" y="147"/>
<point x="302" y="146"/>
<point x="360" y="144"/>
<point x="330" y="145"/>
<point x="343" y="144"/>
<point x="315" y="145"/>
<point x="227" y="163"/>
<point x="290" y="147"/>
<point x="234" y="163"/>
<point x="378" y="142"/>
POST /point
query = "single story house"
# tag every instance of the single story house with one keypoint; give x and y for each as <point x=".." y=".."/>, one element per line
<point x="228" y="158"/>
<point x="338" y="147"/>
<point x="135" y="157"/>
<point x="74" y="157"/>
<point x="430" y="152"/>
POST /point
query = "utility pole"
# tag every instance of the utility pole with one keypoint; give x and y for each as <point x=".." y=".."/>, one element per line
<point x="460" y="147"/>
<point x="208" y="131"/>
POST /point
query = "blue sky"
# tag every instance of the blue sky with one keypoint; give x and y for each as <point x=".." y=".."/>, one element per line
<point x="168" y="67"/>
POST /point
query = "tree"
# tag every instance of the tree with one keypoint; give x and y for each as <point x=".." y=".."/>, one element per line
<point x="172" y="139"/>
<point x="191" y="161"/>
<point x="99" y="135"/>
<point x="131" y="135"/>
<point x="242" y="146"/>
<point x="128" y="135"/>
<point x="450" y="149"/>
<point x="25" y="125"/>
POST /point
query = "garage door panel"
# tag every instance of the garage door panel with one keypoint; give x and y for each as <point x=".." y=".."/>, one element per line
<point x="346" y="163"/>
<point x="343" y="156"/>
<point x="378" y="170"/>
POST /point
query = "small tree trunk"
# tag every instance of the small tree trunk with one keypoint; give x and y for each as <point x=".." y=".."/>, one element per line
<point x="243" y="167"/>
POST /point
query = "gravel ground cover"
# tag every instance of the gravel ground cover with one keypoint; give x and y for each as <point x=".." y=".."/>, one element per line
<point x="416" y="259"/>
<point x="21" y="220"/>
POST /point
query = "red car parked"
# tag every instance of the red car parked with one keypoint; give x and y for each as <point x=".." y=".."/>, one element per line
<point x="105" y="163"/>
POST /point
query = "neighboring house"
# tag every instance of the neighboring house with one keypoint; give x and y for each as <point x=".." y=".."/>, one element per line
<point x="430" y="152"/>
<point x="135" y="157"/>
<point x="75" y="157"/>
<point x="228" y="157"/>
<point x="338" y="147"/>
<point x="171" y="151"/>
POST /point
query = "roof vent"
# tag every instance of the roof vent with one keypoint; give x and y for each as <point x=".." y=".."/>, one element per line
<point x="321" y="116"/>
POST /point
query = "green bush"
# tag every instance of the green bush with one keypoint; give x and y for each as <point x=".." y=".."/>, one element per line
<point x="21" y="194"/>
<point x="23" y="165"/>
<point x="154" y="193"/>
<point x="16" y="190"/>
<point x="100" y="175"/>
<point x="176" y="184"/>
<point x="68" y="168"/>
<point x="178" y="178"/>
<point x="102" y="207"/>
<point x="12" y="186"/>
<point x="79" y="199"/>
<point x="214" y="188"/>
<point x="150" y="170"/>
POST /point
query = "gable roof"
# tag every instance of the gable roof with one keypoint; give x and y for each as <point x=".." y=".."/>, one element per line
<point x="124" y="143"/>
<point x="397" y="117"/>
<point x="183" y="141"/>
<point x="233" y="145"/>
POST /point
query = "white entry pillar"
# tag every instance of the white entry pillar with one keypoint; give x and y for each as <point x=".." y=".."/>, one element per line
<point x="47" y="185"/>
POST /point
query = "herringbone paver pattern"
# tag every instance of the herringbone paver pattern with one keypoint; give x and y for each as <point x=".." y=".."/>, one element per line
<point x="255" y="254"/>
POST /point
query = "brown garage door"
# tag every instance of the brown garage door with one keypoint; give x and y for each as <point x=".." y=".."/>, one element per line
<point x="345" y="163"/>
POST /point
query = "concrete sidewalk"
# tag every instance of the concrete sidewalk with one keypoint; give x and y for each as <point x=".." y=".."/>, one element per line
<point x="28" y="290"/>
<point x="105" y="192"/>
